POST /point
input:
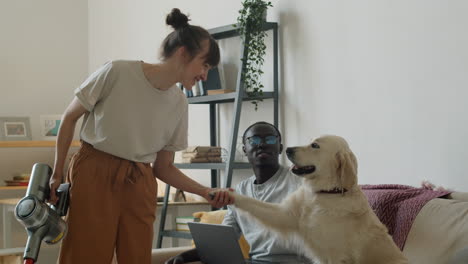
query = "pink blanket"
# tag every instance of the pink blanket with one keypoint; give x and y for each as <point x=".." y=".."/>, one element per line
<point x="398" y="205"/>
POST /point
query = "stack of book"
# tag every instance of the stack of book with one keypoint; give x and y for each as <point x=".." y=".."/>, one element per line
<point x="202" y="154"/>
<point x="181" y="222"/>
<point x="21" y="179"/>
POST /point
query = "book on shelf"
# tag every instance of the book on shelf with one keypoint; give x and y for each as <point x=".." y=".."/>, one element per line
<point x="189" y="155"/>
<point x="181" y="222"/>
<point x="202" y="149"/>
<point x="182" y="227"/>
<point x="220" y="91"/>
<point x="20" y="179"/>
<point x="214" y="80"/>
<point x="202" y="154"/>
<point x="203" y="160"/>
<point x="186" y="219"/>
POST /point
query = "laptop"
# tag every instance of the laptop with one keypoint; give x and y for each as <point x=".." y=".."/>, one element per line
<point x="219" y="244"/>
<point x="216" y="244"/>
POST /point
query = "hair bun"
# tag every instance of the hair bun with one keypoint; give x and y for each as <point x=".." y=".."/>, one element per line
<point x="176" y="19"/>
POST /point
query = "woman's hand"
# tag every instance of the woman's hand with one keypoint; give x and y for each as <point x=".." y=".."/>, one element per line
<point x="218" y="197"/>
<point x="54" y="183"/>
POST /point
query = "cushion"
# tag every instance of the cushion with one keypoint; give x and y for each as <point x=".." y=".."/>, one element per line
<point x="211" y="217"/>
<point x="461" y="196"/>
<point x="216" y="217"/>
<point x="438" y="233"/>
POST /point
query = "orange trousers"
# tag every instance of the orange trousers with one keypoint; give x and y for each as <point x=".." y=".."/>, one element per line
<point x="112" y="207"/>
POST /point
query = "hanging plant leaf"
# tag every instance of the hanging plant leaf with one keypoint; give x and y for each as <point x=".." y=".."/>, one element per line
<point x="249" y="24"/>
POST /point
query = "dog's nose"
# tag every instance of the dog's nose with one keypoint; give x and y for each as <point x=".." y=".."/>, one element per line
<point x="289" y="151"/>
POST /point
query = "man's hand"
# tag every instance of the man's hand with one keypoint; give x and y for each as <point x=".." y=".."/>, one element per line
<point x="218" y="197"/>
<point x="54" y="183"/>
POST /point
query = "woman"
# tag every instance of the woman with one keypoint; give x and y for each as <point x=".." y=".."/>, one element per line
<point x="134" y="114"/>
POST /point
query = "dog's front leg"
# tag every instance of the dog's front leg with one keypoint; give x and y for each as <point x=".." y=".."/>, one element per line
<point x="275" y="216"/>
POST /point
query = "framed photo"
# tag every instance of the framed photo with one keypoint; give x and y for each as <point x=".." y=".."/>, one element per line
<point x="15" y="128"/>
<point x="50" y="125"/>
<point x="214" y="81"/>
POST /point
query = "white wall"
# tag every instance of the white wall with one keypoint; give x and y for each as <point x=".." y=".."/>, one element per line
<point x="386" y="75"/>
<point x="43" y="57"/>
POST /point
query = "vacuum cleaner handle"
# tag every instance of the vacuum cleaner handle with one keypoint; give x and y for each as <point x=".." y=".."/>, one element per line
<point x="63" y="195"/>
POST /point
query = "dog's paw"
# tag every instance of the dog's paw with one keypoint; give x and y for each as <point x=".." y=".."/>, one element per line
<point x="238" y="199"/>
<point x="233" y="195"/>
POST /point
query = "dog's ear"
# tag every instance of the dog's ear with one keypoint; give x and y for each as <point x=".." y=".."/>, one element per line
<point x="347" y="169"/>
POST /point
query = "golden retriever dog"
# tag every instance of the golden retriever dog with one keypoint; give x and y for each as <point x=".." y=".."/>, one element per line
<point x="328" y="219"/>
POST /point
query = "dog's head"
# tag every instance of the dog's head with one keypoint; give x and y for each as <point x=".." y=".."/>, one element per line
<point x="327" y="162"/>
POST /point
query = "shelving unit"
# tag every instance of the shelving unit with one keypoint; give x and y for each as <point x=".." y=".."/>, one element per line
<point x="33" y="144"/>
<point x="13" y="188"/>
<point x="236" y="98"/>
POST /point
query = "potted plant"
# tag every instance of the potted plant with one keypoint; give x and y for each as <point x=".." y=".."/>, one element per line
<point x="249" y="24"/>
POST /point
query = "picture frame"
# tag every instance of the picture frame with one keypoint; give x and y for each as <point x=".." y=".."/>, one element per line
<point x="215" y="81"/>
<point x="15" y="129"/>
<point x="49" y="125"/>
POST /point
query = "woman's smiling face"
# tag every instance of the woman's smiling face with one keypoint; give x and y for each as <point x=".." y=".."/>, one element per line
<point x="196" y="68"/>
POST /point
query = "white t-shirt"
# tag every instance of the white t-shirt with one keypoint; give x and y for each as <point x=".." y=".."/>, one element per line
<point x="265" y="245"/>
<point x="128" y="117"/>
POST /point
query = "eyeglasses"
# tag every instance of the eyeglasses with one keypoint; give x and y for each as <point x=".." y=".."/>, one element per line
<point x="257" y="140"/>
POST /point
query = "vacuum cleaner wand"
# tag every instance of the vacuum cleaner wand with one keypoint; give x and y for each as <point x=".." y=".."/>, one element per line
<point x="42" y="221"/>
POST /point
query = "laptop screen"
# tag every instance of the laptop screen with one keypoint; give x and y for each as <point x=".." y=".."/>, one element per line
<point x="216" y="243"/>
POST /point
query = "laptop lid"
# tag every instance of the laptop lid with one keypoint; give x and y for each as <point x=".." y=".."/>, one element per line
<point x="216" y="243"/>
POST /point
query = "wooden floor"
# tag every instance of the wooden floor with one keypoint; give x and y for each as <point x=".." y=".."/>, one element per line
<point x="10" y="259"/>
<point x="11" y="256"/>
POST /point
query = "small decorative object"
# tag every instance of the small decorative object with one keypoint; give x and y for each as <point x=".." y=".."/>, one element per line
<point x="15" y="128"/>
<point x="240" y="155"/>
<point x="250" y="22"/>
<point x="50" y="125"/>
<point x="196" y="89"/>
<point x="179" y="196"/>
<point x="19" y="179"/>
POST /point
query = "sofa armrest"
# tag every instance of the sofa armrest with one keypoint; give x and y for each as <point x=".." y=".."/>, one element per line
<point x="160" y="255"/>
<point x="460" y="196"/>
<point x="438" y="232"/>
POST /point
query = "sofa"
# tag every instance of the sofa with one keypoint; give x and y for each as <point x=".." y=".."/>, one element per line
<point x="438" y="235"/>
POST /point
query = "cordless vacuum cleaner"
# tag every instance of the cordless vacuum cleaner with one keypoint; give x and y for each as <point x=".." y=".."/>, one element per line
<point x="41" y="220"/>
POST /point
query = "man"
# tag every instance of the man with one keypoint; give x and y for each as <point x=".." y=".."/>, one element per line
<point x="270" y="183"/>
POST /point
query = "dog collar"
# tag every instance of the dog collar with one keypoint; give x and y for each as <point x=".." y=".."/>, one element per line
<point x="334" y="190"/>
